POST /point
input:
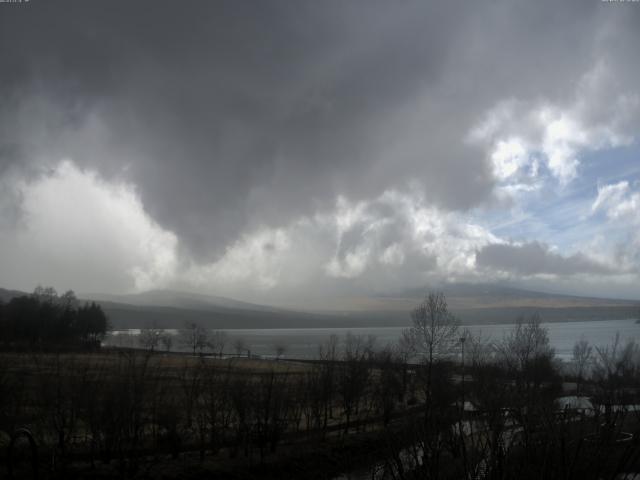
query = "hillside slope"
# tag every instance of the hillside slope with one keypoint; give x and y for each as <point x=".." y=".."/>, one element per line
<point x="471" y="303"/>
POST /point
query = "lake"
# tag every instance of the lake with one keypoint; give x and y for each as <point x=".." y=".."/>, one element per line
<point x="303" y="342"/>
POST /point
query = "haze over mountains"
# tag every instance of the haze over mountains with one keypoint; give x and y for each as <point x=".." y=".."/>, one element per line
<point x="472" y="303"/>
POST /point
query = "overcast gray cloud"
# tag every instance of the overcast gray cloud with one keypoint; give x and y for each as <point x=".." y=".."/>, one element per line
<point x="535" y="259"/>
<point x="226" y="120"/>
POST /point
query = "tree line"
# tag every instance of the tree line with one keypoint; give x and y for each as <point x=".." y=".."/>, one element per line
<point x="197" y="339"/>
<point x="439" y="404"/>
<point x="45" y="319"/>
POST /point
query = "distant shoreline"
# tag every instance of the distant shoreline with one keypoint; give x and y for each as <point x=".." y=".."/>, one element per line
<point x="463" y="324"/>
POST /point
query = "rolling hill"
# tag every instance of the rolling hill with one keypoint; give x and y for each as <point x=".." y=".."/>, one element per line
<point x="471" y="303"/>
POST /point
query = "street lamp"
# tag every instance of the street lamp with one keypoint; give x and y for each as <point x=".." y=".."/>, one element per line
<point x="463" y="339"/>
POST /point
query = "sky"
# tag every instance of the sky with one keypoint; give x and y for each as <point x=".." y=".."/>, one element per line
<point x="300" y="150"/>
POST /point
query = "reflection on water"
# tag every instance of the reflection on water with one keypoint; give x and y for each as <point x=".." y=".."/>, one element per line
<point x="303" y="342"/>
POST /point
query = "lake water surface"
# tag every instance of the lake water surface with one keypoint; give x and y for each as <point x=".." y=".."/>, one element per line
<point x="303" y="342"/>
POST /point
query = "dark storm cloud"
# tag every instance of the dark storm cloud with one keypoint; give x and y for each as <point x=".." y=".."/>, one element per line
<point x="231" y="115"/>
<point x="535" y="258"/>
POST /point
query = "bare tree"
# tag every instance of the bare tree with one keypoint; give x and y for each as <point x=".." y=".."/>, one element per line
<point x="167" y="341"/>
<point x="582" y="356"/>
<point x="217" y="342"/>
<point x="432" y="338"/>
<point x="434" y="331"/>
<point x="195" y="337"/>
<point x="327" y="377"/>
<point x="280" y="348"/>
<point x="354" y="374"/>
<point x="615" y="367"/>
<point x="389" y="382"/>
<point x="527" y="357"/>
<point x="527" y="353"/>
<point x="479" y="350"/>
<point x="239" y="346"/>
<point x="433" y="334"/>
<point x="149" y="338"/>
<point x="403" y="351"/>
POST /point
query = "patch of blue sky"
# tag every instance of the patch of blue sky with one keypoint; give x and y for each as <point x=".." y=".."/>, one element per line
<point x="561" y="215"/>
<point x="611" y="166"/>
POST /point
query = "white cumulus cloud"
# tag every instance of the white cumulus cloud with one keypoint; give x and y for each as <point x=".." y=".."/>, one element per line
<point x="519" y="135"/>
<point x="618" y="201"/>
<point x="75" y="225"/>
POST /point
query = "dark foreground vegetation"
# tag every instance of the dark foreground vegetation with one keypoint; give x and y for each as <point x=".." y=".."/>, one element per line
<point x="439" y="405"/>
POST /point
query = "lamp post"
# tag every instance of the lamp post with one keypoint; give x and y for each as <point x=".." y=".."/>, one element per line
<point x="463" y="338"/>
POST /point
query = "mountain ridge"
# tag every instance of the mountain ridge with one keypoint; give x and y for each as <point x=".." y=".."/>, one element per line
<point x="481" y="304"/>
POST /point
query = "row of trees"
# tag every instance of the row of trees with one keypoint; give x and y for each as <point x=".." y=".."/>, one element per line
<point x="440" y="404"/>
<point x="198" y="340"/>
<point x="513" y="385"/>
<point x="517" y="423"/>
<point x="46" y="318"/>
<point x="115" y="406"/>
<point x="112" y="408"/>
